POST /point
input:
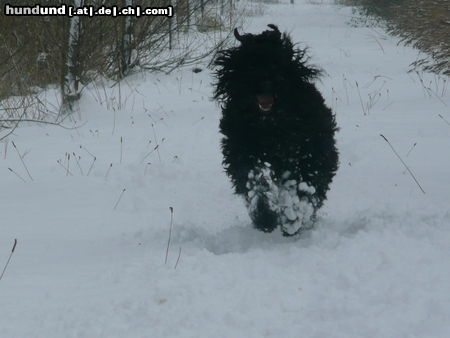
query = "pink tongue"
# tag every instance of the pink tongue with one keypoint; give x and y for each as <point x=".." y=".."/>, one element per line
<point x="265" y="102"/>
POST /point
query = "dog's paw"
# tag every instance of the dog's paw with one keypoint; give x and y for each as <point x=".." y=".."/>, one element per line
<point x="297" y="211"/>
<point x="262" y="198"/>
<point x="261" y="184"/>
<point x="289" y="205"/>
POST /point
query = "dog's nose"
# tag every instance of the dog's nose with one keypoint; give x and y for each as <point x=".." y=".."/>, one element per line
<point x="266" y="88"/>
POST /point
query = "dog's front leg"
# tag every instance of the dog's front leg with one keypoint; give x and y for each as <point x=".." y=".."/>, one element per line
<point x="297" y="207"/>
<point x="262" y="197"/>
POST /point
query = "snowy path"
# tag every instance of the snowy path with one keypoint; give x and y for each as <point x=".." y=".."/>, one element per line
<point x="376" y="265"/>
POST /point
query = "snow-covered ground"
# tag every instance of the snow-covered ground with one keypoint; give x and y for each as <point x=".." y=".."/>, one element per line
<point x="90" y="259"/>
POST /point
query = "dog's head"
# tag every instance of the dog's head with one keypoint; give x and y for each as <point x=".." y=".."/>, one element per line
<point x="263" y="69"/>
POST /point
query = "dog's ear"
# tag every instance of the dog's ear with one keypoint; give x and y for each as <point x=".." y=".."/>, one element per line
<point x="237" y="35"/>
<point x="275" y="28"/>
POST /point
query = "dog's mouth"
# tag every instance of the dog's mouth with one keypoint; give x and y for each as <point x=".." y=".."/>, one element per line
<point x="265" y="102"/>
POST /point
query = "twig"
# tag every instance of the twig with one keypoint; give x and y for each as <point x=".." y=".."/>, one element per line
<point x="65" y="168"/>
<point x="58" y="124"/>
<point x="360" y="98"/>
<point x="170" y="234"/>
<point x="77" y="159"/>
<point x="114" y="122"/>
<point x="92" y="165"/>
<point x="178" y="259"/>
<point x="444" y="87"/>
<point x="151" y="152"/>
<point x="407" y="168"/>
<point x="120" y="197"/>
<point x="86" y="150"/>
<point x="379" y="44"/>
<point x="17" y="175"/>
<point x="17" y="122"/>
<point x="345" y="86"/>
<point x="442" y="117"/>
<point x="68" y="164"/>
<point x="157" y="143"/>
<point x="121" y="149"/>
<point x="21" y="159"/>
<point x="107" y="172"/>
<point x="9" y="258"/>
<point x="413" y="146"/>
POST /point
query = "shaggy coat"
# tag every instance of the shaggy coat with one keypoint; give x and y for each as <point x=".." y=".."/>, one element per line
<point x="272" y="114"/>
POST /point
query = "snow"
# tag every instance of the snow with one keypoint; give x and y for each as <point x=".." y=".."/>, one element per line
<point x="375" y="265"/>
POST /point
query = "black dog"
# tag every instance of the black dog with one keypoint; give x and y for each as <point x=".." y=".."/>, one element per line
<point x="278" y="145"/>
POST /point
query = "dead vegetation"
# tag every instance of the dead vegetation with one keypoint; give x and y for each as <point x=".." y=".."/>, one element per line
<point x="424" y="25"/>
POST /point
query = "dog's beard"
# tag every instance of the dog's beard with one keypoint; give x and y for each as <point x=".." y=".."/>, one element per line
<point x="265" y="102"/>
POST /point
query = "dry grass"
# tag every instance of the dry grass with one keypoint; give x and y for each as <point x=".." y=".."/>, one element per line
<point x="422" y="24"/>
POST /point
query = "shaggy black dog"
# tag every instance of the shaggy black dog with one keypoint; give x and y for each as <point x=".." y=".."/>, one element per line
<point x="278" y="145"/>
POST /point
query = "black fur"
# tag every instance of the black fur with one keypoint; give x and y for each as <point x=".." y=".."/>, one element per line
<point x="295" y="136"/>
